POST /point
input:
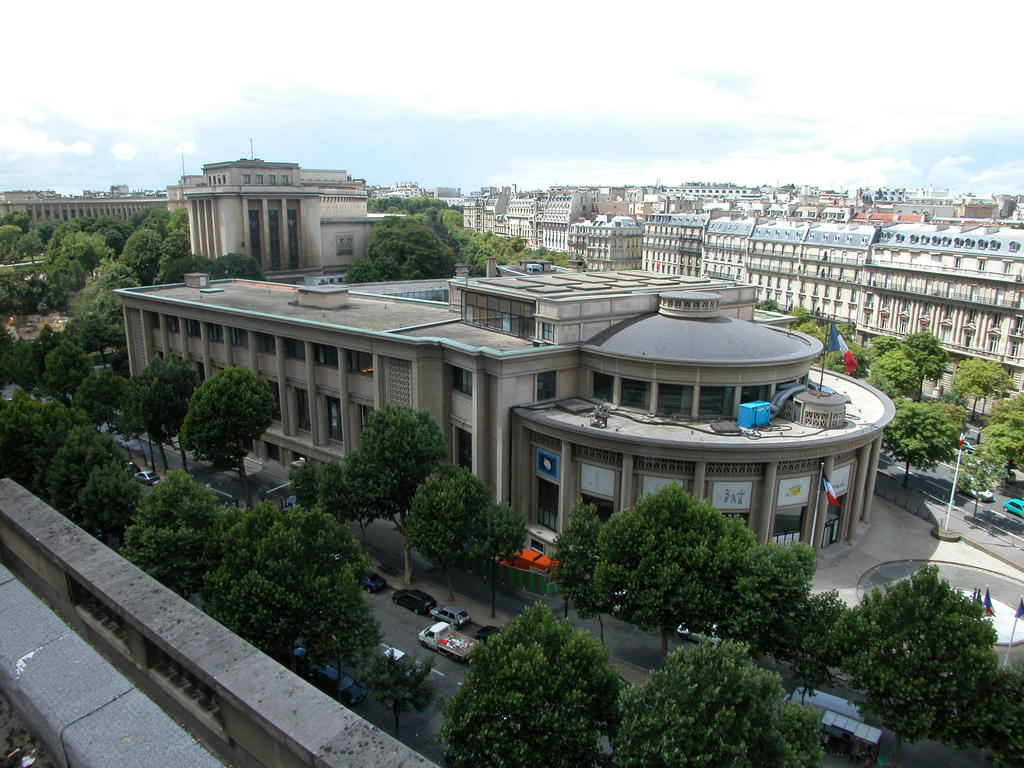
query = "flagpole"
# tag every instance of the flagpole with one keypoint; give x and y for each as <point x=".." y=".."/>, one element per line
<point x="817" y="502"/>
<point x="952" y="491"/>
<point x="1009" y="645"/>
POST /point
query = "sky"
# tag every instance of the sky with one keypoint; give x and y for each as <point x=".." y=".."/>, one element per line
<point x="840" y="96"/>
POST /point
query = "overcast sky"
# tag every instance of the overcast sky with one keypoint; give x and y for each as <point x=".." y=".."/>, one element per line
<point x="898" y="94"/>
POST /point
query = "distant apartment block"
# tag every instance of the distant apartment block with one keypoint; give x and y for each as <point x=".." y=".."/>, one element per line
<point x="119" y="203"/>
<point x="673" y="242"/>
<point x="607" y="245"/>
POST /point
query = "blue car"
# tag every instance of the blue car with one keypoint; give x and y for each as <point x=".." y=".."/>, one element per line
<point x="1014" y="507"/>
<point x="373" y="583"/>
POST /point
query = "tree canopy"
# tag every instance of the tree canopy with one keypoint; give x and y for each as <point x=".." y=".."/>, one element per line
<point x="921" y="434"/>
<point x="538" y="688"/>
<point x="226" y="413"/>
<point x="402" y="248"/>
<point x="399" y="683"/>
<point x="577" y="554"/>
<point x="711" y="706"/>
<point x="977" y="378"/>
<point x="66" y="367"/>
<point x="911" y="649"/>
<point x="156" y="401"/>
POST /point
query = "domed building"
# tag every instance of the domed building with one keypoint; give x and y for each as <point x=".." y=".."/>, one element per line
<point x="551" y="386"/>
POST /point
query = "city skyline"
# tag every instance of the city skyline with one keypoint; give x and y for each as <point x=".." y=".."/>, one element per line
<point x="535" y="95"/>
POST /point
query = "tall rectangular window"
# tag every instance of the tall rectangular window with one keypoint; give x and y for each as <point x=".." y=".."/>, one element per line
<point x="254" y="232"/>
<point x="675" y="399"/>
<point x="603" y="387"/>
<point x="547" y="503"/>
<point x="333" y="418"/>
<point x="326" y="354"/>
<point x="192" y="328"/>
<point x="293" y="239"/>
<point x="636" y="394"/>
<point x="295" y="349"/>
<point x="364" y="414"/>
<point x="464" y="448"/>
<point x="267" y="343"/>
<point x="239" y="338"/>
<point x="546" y="385"/>
<point x="360" y="362"/>
<point x="715" y="402"/>
<point x="172" y="324"/>
<point x="462" y="380"/>
<point x="302" y="407"/>
<point x="215" y="332"/>
<point x="277" y="400"/>
<point x="274" y="225"/>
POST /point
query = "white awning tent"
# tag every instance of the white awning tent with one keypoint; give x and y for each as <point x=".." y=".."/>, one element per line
<point x="857" y="729"/>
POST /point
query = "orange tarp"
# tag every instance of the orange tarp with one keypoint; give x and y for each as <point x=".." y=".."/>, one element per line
<point x="529" y="559"/>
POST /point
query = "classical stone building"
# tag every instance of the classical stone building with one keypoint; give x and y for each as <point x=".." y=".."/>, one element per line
<point x="550" y="387"/>
<point x="607" y="244"/>
<point x="286" y="217"/>
<point x="118" y="203"/>
<point x="673" y="243"/>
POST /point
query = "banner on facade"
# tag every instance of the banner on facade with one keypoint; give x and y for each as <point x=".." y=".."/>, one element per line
<point x="793" y="491"/>
<point x="547" y="464"/>
<point x="732" y="495"/>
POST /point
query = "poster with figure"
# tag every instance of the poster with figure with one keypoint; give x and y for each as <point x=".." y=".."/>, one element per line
<point x="793" y="491"/>
<point x="840" y="479"/>
<point x="735" y="495"/>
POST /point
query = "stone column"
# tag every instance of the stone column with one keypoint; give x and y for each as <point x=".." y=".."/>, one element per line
<point x="379" y="393"/>
<point x="869" y="489"/>
<point x="147" y="335"/>
<point x="316" y="426"/>
<point x="700" y="469"/>
<point x="346" y="421"/>
<point x="479" y="424"/>
<point x="855" y="508"/>
<point x="165" y="336"/>
<point x="566" y="492"/>
<point x="626" y="483"/>
<point x="504" y="453"/>
<point x="229" y="351"/>
<point x="204" y="339"/>
<point x="244" y="225"/>
<point x="287" y="417"/>
<point x="764" y="533"/>
<point x="264" y="235"/>
<point x="194" y="231"/>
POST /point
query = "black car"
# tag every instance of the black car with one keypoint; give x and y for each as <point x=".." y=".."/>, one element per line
<point x="373" y="583"/>
<point x="486" y="633"/>
<point x="414" y="600"/>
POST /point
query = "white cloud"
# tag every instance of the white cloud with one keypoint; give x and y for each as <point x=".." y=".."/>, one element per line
<point x="187" y="147"/>
<point x="18" y="140"/>
<point x="123" y="152"/>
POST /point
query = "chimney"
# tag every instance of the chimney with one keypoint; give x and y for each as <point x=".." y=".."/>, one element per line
<point x="577" y="265"/>
<point x="462" y="269"/>
<point x="492" y="266"/>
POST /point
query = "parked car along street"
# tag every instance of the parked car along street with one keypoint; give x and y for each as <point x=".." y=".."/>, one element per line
<point x="373" y="582"/>
<point x="414" y="599"/>
<point x="147" y="477"/>
<point x="452" y="614"/>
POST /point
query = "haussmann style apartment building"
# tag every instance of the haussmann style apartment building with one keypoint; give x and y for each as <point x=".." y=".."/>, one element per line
<point x="551" y="387"/>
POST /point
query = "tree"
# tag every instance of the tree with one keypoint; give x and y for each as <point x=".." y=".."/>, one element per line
<point x="31" y="432"/>
<point x="96" y="315"/>
<point x="29" y="247"/>
<point x="399" y="684"/>
<point x="236" y="265"/>
<point x="816" y="656"/>
<point x="66" y="367"/>
<point x="100" y="395"/>
<point x="405" y="249"/>
<point x="446" y="517"/>
<point x="398" y="449"/>
<point x="88" y="250"/>
<point x="175" y="246"/>
<point x="928" y="355"/>
<point x="64" y="278"/>
<point x="156" y="401"/>
<point x="539" y="688"/>
<point x="9" y="237"/>
<point x="503" y="534"/>
<point x="17" y="218"/>
<point x="173" y="270"/>
<point x="771" y="591"/>
<point x="142" y="254"/>
<point x="109" y="498"/>
<point x="1001" y="734"/>
<point x="577" y="554"/>
<point x="978" y="378"/>
<point x="363" y="271"/>
<point x="671" y="558"/>
<point x="712" y="706"/>
<point x="920" y="434"/>
<point x="305" y="483"/>
<point x="768" y="305"/>
<point x="83" y="453"/>
<point x="334" y="498"/>
<point x="979" y="472"/>
<point x="226" y="413"/>
<point x="895" y="374"/>
<point x="912" y="649"/>
<point x="281" y="576"/>
<point x="1004" y="433"/>
<point x="169" y="536"/>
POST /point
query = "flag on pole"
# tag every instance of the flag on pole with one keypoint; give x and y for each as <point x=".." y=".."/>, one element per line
<point x="830" y="492"/>
<point x="963" y="433"/>
<point x="987" y="602"/>
<point x="836" y="343"/>
<point x="1020" y="610"/>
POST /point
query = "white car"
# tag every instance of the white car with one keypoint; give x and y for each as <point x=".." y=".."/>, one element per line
<point x="147" y="477"/>
<point x="695" y="637"/>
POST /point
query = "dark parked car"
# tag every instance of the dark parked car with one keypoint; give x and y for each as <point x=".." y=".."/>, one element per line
<point x="486" y="633"/>
<point x="373" y="583"/>
<point x="340" y="685"/>
<point x="414" y="600"/>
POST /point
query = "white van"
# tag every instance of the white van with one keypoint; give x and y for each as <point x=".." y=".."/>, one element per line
<point x="826" y="702"/>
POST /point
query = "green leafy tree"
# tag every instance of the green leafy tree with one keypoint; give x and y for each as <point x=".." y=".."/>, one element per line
<point x="712" y="706"/>
<point x="334" y="498"/>
<point x="109" y="498"/>
<point x="100" y="395"/>
<point x="446" y="518"/>
<point x="981" y="471"/>
<point x="502" y="537"/>
<point x="175" y="246"/>
<point x="96" y="316"/>
<point x="363" y="271"/>
<point x="305" y="483"/>
<point x="142" y="254"/>
<point x="398" y="449"/>
<point x="170" y="533"/>
<point x="539" y="687"/>
<point x="895" y="374"/>
<point x="154" y="217"/>
<point x="113" y="231"/>
<point x="929" y="357"/>
<point x="882" y="345"/>
<point x="977" y="378"/>
<point x="671" y="558"/>
<point x="768" y="305"/>
<point x="405" y="249"/>
<point x="229" y="410"/>
<point x="770" y="593"/>
<point x="31" y="432"/>
<point x="29" y="247"/>
<point x="1004" y="433"/>
<point x="9" y="237"/>
<point x="281" y="576"/>
<point x="236" y="265"/>
<point x="816" y="655"/>
<point x="17" y="218"/>
<point x="577" y="554"/>
<point x="174" y="270"/>
<point x="23" y="291"/>
<point x="911" y="649"/>
<point x="66" y="367"/>
<point x="920" y="434"/>
<point x="399" y="684"/>
<point x="87" y="249"/>
<point x="64" y="278"/>
<point x="84" y="451"/>
<point x="156" y="402"/>
<point x="1001" y="733"/>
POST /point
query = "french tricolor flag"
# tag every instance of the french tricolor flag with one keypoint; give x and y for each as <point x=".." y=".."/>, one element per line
<point x="836" y="343"/>
<point x="830" y="492"/>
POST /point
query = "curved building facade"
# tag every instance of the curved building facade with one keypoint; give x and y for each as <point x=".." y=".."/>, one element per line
<point x="552" y="388"/>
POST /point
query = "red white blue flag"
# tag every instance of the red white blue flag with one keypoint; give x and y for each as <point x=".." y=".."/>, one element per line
<point x="987" y="602"/>
<point x="1020" y="610"/>
<point x="836" y="343"/>
<point x="830" y="492"/>
<point x="963" y="434"/>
